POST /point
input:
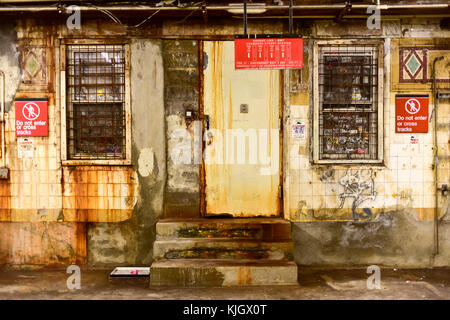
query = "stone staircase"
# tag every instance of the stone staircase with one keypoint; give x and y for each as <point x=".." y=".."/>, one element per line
<point x="223" y="252"/>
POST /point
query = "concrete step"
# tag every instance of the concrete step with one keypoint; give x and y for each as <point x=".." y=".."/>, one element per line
<point x="222" y="249"/>
<point x="258" y="228"/>
<point x="207" y="273"/>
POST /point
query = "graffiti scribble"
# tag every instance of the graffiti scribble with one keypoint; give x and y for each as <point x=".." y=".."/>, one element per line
<point x="360" y="186"/>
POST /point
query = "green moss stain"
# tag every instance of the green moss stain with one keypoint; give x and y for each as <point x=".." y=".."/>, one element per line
<point x="199" y="232"/>
<point x="218" y="253"/>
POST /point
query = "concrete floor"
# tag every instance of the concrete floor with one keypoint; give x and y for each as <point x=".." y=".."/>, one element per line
<point x="313" y="284"/>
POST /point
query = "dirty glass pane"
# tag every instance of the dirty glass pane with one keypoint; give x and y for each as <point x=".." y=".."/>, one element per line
<point x="96" y="73"/>
<point x="347" y="79"/>
<point x="348" y="84"/>
<point x="96" y="91"/>
<point x="99" y="129"/>
<point x="346" y="133"/>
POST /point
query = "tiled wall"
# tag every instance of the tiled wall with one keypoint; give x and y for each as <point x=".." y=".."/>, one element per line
<point x="40" y="189"/>
<point x="44" y="206"/>
<point x="35" y="183"/>
<point x="404" y="181"/>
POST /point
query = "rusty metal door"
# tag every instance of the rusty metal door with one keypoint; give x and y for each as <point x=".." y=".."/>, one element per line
<point x="242" y="136"/>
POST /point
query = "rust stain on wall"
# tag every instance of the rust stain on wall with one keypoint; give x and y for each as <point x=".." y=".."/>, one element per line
<point x="42" y="243"/>
<point x="244" y="275"/>
<point x="99" y="193"/>
<point x="5" y="200"/>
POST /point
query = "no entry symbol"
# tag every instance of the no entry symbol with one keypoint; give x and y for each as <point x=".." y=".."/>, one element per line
<point x="31" y="111"/>
<point x="412" y="106"/>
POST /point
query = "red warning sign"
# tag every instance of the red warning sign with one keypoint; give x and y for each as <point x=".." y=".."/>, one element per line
<point x="31" y="117"/>
<point x="268" y="53"/>
<point x="411" y="113"/>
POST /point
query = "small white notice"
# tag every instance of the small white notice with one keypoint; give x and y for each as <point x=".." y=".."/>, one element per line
<point x="130" y="272"/>
<point x="25" y="148"/>
<point x="298" y="129"/>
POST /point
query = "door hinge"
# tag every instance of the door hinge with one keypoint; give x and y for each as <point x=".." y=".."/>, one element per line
<point x="280" y="192"/>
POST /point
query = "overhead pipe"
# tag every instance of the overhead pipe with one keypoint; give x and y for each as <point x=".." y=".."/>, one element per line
<point x="390" y="17"/>
<point x="223" y="8"/>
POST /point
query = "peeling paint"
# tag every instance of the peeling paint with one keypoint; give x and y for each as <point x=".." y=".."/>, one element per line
<point x="146" y="162"/>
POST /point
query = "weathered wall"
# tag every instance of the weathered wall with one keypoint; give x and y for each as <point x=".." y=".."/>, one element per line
<point x="42" y="243"/>
<point x="101" y="215"/>
<point x="9" y="59"/>
<point x="395" y="224"/>
<point x="31" y="201"/>
<point x="181" y="93"/>
<point x="131" y="242"/>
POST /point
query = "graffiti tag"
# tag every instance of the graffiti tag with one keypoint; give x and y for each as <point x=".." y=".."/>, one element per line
<point x="360" y="186"/>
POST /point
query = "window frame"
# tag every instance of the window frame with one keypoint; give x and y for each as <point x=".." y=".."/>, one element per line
<point x="316" y="108"/>
<point x="64" y="105"/>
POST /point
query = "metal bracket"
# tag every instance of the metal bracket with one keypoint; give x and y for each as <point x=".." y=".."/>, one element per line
<point x="444" y="189"/>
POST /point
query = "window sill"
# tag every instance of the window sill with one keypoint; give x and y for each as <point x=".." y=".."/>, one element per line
<point x="88" y="162"/>
<point x="337" y="162"/>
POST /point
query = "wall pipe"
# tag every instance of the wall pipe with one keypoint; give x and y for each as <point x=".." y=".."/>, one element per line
<point x="223" y="8"/>
<point x="436" y="159"/>
<point x="245" y="17"/>
<point x="291" y="11"/>
<point x="2" y="117"/>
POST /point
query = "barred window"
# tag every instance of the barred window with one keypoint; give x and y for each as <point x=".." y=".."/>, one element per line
<point x="95" y="118"/>
<point x="348" y="87"/>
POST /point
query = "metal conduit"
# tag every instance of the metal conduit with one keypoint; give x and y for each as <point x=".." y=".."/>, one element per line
<point x="223" y="8"/>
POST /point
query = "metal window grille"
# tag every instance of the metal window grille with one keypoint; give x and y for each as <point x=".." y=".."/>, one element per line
<point x="96" y="102"/>
<point x="348" y="102"/>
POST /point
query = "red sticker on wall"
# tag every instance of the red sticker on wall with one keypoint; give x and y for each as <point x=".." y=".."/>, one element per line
<point x="31" y="117"/>
<point x="268" y="53"/>
<point x="411" y="113"/>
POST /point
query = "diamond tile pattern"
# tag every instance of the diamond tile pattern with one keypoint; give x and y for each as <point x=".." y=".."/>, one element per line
<point x="413" y="64"/>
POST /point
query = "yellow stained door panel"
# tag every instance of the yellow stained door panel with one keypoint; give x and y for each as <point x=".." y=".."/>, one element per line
<point x="242" y="152"/>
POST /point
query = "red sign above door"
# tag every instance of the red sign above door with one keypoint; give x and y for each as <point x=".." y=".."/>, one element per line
<point x="411" y="113"/>
<point x="268" y="53"/>
<point x="31" y="117"/>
